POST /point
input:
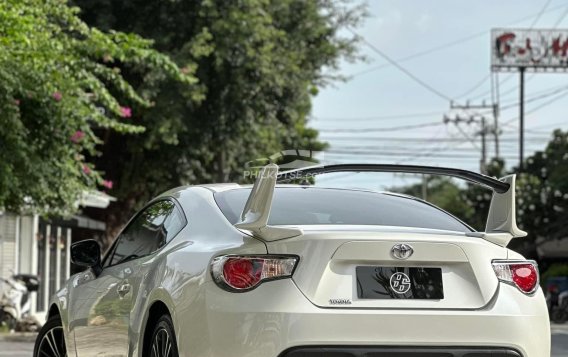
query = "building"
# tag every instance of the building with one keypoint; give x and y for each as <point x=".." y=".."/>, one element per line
<point x="30" y="244"/>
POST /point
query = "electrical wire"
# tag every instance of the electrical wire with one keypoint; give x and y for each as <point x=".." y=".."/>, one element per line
<point x="561" y="18"/>
<point x="381" y="117"/>
<point x="399" y="67"/>
<point x="540" y="13"/>
<point x="449" y="44"/>
<point x="537" y="108"/>
<point x="371" y="130"/>
<point x="416" y="140"/>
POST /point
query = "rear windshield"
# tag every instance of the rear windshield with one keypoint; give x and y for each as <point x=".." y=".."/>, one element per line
<point x="311" y="205"/>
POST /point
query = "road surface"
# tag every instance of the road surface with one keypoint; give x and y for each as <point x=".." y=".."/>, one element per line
<point x="25" y="348"/>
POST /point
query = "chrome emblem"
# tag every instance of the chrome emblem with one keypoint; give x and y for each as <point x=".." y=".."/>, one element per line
<point x="402" y="251"/>
<point x="400" y="283"/>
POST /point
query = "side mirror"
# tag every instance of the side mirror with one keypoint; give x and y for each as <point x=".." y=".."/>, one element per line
<point x="87" y="253"/>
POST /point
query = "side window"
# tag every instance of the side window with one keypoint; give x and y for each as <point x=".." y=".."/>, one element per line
<point x="173" y="224"/>
<point x="148" y="232"/>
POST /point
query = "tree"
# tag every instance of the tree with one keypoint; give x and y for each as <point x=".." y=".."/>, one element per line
<point x="478" y="198"/>
<point x="442" y="192"/>
<point x="60" y="85"/>
<point x="542" y="194"/>
<point x="258" y="62"/>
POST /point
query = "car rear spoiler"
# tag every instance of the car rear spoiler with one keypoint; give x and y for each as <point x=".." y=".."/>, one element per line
<point x="500" y="228"/>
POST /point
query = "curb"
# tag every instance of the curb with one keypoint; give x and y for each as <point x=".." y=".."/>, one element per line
<point x="18" y="337"/>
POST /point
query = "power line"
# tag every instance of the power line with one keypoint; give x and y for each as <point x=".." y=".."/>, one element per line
<point x="422" y="53"/>
<point x="562" y="16"/>
<point x="381" y="117"/>
<point x="540" y="13"/>
<point x="449" y="44"/>
<point x="404" y="154"/>
<point x="399" y="67"/>
<point x="537" y="108"/>
<point x="411" y="150"/>
<point x="419" y="139"/>
<point x="409" y="74"/>
<point x="472" y="89"/>
<point x="371" y="130"/>
<point x="547" y="94"/>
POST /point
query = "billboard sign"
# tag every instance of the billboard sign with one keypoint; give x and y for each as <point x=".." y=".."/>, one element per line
<point x="530" y="48"/>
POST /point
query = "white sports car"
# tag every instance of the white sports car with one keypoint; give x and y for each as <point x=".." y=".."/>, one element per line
<point x="286" y="270"/>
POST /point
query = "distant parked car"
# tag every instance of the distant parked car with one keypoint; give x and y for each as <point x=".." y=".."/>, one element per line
<point x="301" y="271"/>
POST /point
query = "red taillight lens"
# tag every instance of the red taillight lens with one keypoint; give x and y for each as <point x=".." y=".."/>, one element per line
<point x="525" y="276"/>
<point x="522" y="274"/>
<point x="242" y="273"/>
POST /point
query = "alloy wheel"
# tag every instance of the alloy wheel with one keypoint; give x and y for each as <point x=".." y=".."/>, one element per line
<point x="162" y="344"/>
<point x="52" y="343"/>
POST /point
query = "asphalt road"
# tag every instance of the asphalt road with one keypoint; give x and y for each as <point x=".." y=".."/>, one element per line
<point x="16" y="349"/>
<point x="560" y="340"/>
<point x="25" y="348"/>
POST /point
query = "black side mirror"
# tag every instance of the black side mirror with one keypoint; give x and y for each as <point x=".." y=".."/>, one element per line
<point x="87" y="253"/>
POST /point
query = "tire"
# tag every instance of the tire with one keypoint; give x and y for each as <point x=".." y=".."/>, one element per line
<point x="163" y="342"/>
<point x="50" y="340"/>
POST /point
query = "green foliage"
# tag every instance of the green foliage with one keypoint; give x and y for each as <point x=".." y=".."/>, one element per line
<point x="258" y="63"/>
<point x="60" y="86"/>
<point x="444" y="193"/>
<point x="478" y="197"/>
<point x="541" y="192"/>
<point x="555" y="270"/>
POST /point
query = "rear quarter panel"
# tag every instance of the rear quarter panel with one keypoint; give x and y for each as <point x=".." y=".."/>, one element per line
<point x="176" y="276"/>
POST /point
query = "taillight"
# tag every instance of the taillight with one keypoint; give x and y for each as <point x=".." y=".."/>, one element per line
<point x="521" y="273"/>
<point x="240" y="273"/>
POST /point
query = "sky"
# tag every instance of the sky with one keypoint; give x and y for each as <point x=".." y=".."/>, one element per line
<point x="381" y="115"/>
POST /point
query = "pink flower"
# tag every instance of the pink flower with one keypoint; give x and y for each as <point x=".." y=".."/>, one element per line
<point x="86" y="170"/>
<point x="17" y="102"/>
<point x="107" y="184"/>
<point x="57" y="96"/>
<point x="125" y="112"/>
<point x="77" y="136"/>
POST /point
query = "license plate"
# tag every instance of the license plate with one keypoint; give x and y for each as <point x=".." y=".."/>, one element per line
<point x="399" y="283"/>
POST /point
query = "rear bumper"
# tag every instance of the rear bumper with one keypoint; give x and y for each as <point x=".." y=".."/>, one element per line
<point x="276" y="317"/>
<point x="355" y="351"/>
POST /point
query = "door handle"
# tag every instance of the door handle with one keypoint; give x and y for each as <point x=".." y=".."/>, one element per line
<point x="123" y="289"/>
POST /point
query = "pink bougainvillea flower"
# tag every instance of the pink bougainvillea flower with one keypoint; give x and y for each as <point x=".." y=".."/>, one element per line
<point x="107" y="184"/>
<point x="77" y="136"/>
<point x="125" y="112"/>
<point x="17" y="102"/>
<point x="86" y="170"/>
<point x="57" y="96"/>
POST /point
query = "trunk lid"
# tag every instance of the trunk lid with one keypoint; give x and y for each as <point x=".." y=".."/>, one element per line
<point x="330" y="257"/>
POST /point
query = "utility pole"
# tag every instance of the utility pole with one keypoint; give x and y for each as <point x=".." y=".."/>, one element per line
<point x="484" y="130"/>
<point x="424" y="187"/>
<point x="496" y="128"/>
<point x="522" y="119"/>
<point x="483" y="106"/>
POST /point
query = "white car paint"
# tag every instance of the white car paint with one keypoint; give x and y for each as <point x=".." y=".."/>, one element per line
<point x="99" y="319"/>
